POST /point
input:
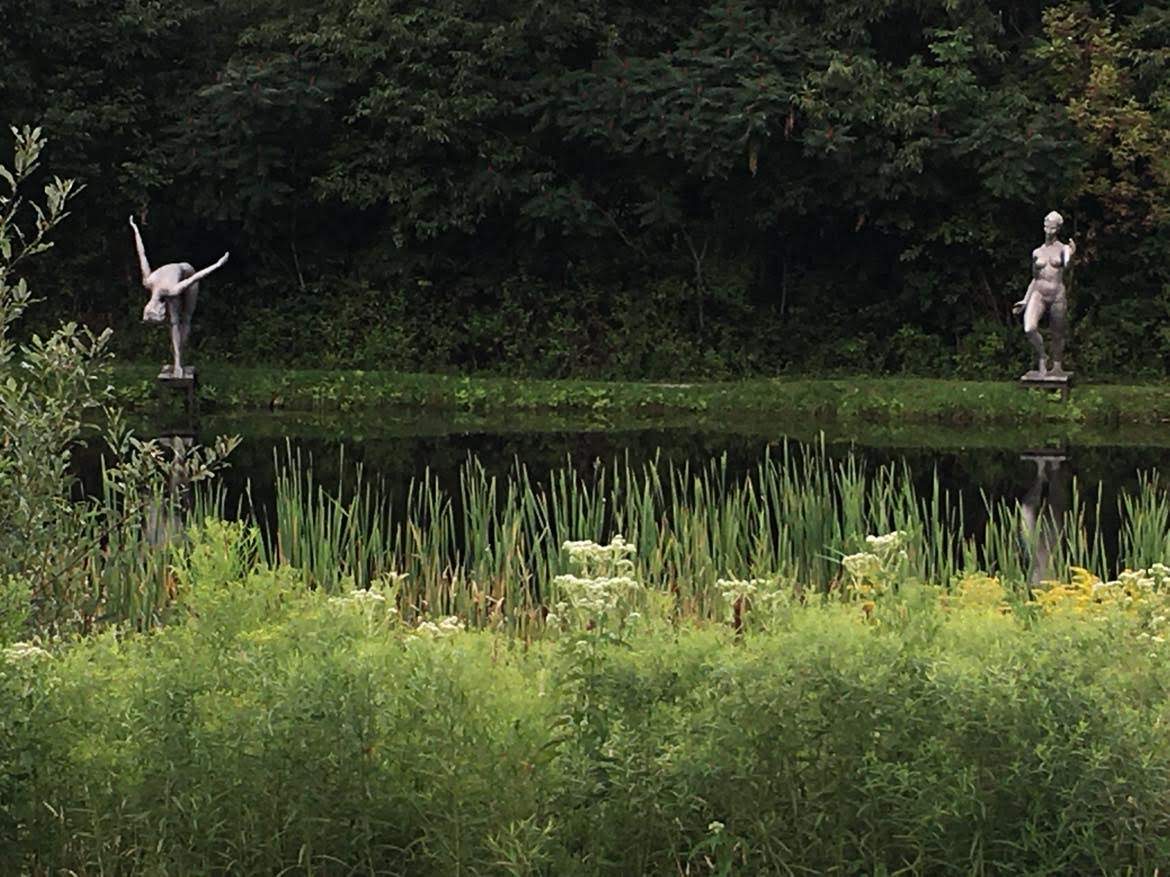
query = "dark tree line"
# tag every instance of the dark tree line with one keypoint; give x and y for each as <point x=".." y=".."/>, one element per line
<point x="640" y="189"/>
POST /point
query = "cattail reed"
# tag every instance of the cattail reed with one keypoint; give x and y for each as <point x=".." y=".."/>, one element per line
<point x="489" y="550"/>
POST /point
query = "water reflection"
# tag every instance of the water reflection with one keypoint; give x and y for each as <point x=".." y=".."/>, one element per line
<point x="1043" y="509"/>
<point x="169" y="502"/>
<point x="977" y="464"/>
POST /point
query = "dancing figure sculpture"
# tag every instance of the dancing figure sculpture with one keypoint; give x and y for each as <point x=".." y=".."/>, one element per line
<point x="1046" y="297"/>
<point x="174" y="290"/>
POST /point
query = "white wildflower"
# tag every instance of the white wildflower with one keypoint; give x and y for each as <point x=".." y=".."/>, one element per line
<point x="601" y="586"/>
<point x="590" y="558"/>
<point x="25" y="651"/>
<point x="734" y="590"/>
<point x="1136" y="580"/>
<point x="594" y="596"/>
<point x="888" y="543"/>
<point x="862" y="566"/>
<point x="449" y="625"/>
<point x="446" y="627"/>
<point x="363" y="599"/>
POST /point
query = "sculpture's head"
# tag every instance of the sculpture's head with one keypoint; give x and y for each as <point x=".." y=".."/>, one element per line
<point x="156" y="309"/>
<point x="1052" y="223"/>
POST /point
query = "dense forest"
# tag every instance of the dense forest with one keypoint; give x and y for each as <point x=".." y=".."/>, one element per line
<point x="666" y="189"/>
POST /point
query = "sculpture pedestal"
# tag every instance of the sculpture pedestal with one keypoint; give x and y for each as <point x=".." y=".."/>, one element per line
<point x="1054" y="456"/>
<point x="1036" y="380"/>
<point x="169" y="375"/>
<point x="186" y="383"/>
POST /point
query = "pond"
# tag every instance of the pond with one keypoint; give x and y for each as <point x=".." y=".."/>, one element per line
<point x="471" y="512"/>
<point x="397" y="447"/>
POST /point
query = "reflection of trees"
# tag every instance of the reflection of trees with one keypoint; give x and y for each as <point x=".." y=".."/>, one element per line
<point x="1042" y="511"/>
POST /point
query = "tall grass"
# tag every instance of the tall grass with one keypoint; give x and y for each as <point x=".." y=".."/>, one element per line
<point x="277" y="733"/>
<point x="489" y="550"/>
<point x="123" y="567"/>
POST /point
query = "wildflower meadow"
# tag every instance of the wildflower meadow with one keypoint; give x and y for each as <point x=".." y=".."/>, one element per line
<point x="887" y="725"/>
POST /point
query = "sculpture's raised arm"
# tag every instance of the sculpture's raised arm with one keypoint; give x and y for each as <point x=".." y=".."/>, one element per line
<point x="198" y="275"/>
<point x="142" y="263"/>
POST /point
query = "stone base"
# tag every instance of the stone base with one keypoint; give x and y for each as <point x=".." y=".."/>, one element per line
<point x="169" y="377"/>
<point x="1045" y="455"/>
<point x="186" y="383"/>
<point x="1037" y="380"/>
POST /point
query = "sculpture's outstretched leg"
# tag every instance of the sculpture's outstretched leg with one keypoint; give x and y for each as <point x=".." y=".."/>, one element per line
<point x="1032" y="314"/>
<point x="198" y="275"/>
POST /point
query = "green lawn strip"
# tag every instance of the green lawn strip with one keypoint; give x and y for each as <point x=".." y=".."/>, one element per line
<point x="888" y="400"/>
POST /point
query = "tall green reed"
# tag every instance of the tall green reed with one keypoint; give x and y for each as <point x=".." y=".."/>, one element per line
<point x="490" y="549"/>
<point x="123" y="571"/>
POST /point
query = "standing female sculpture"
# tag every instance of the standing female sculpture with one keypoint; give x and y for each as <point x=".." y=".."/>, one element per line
<point x="1046" y="296"/>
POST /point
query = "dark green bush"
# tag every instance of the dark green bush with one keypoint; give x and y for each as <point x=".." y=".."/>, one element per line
<point x="277" y="728"/>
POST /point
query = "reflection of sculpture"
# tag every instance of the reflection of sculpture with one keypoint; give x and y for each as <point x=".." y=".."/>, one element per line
<point x="1042" y="511"/>
<point x="166" y="507"/>
<point x="174" y="289"/>
<point x="1046" y="297"/>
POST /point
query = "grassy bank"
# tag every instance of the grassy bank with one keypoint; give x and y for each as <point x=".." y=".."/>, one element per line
<point x="890" y="400"/>
<point x="891" y="728"/>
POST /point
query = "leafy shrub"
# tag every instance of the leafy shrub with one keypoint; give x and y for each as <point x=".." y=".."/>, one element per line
<point x="991" y="350"/>
<point x="47" y="388"/>
<point x="66" y="557"/>
<point x="914" y="352"/>
<point x="14" y="608"/>
<point x="278" y="727"/>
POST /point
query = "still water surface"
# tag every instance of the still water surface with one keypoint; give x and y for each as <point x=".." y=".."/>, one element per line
<point x="397" y="446"/>
<point x="400" y="445"/>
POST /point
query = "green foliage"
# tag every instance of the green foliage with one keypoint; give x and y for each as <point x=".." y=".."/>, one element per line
<point x="47" y="388"/>
<point x="666" y="191"/>
<point x="69" y="560"/>
<point x="893" y="402"/>
<point x="914" y="352"/>
<point x="258" y="125"/>
<point x="15" y="599"/>
<point x="986" y="352"/>
<point x="279" y="727"/>
<point x="487" y="549"/>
